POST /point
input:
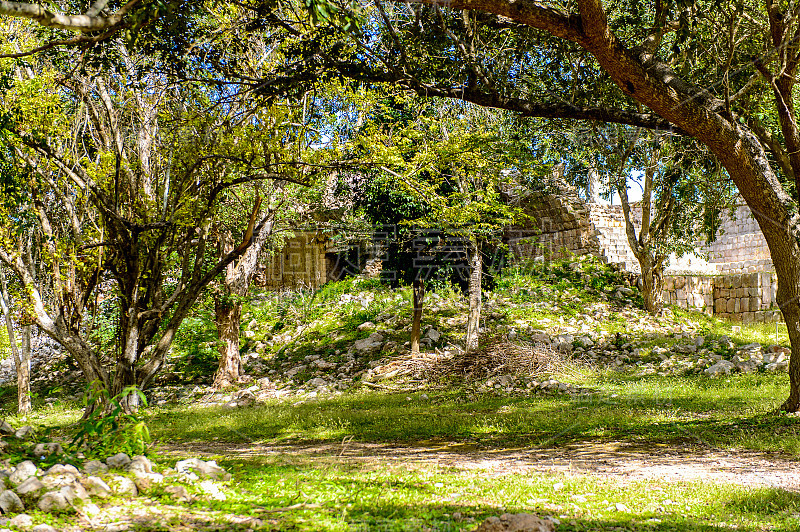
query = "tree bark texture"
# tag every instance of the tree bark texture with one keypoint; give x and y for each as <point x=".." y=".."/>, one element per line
<point x="228" y="314"/>
<point x="472" y="338"/>
<point x="24" y="403"/>
<point x="22" y="357"/>
<point x="652" y="285"/>
<point x="418" y="289"/>
<point x="227" y="299"/>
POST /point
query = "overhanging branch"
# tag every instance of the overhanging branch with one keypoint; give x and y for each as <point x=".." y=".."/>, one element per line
<point x="90" y="21"/>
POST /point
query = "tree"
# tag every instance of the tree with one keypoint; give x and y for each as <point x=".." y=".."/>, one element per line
<point x="281" y="206"/>
<point x="723" y="74"/>
<point x="682" y="192"/>
<point x="120" y="179"/>
<point x="446" y="164"/>
<point x="20" y="354"/>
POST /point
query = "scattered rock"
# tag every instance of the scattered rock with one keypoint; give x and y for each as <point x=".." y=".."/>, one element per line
<point x="24" y="433"/>
<point x="123" y="486"/>
<point x="723" y="367"/>
<point x="140" y="465"/>
<point x="178" y="493"/>
<point x="43" y="528"/>
<point x="10" y="503"/>
<point x="433" y="334"/>
<point x="202" y="469"/>
<point x="53" y="501"/>
<point x="46" y="449"/>
<point x="317" y="382"/>
<point x="370" y="343"/>
<point x="30" y="488"/>
<point x="366" y="326"/>
<point x="118" y="461"/>
<point x="516" y="523"/>
<point x="212" y="490"/>
<point x="22" y="521"/>
<point x="242" y="398"/>
<point x="145" y="482"/>
<point x="22" y="472"/>
<point x="94" y="466"/>
<point x="96" y="487"/>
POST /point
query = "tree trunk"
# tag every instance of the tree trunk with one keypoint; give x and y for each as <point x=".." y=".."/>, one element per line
<point x="228" y="316"/>
<point x="416" y="325"/>
<point x="23" y="364"/>
<point x="475" y="297"/>
<point x="21" y="360"/>
<point x="652" y="286"/>
<point x="126" y="362"/>
<point x="792" y="317"/>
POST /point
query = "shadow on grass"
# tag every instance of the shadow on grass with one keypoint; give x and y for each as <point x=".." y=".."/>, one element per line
<point x="694" y="417"/>
<point x="309" y="495"/>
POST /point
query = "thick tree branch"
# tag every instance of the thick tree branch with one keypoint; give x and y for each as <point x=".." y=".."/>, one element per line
<point x="558" y="23"/>
<point x="90" y="21"/>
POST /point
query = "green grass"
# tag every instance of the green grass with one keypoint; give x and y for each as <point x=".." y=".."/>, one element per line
<point x="342" y="496"/>
<point x="293" y="472"/>
<point x="738" y="412"/>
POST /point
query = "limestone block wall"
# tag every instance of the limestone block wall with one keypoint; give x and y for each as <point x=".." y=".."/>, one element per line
<point x="739" y="241"/>
<point x="560" y="226"/>
<point x="690" y="291"/>
<point x="608" y="222"/>
<point x="748" y="297"/>
<point x="300" y="264"/>
<point x="736" y="282"/>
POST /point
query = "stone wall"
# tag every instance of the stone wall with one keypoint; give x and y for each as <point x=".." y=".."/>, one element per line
<point x="301" y="263"/>
<point x="748" y="297"/>
<point x="608" y="223"/>
<point x="560" y="225"/>
<point x="690" y="291"/>
<point x="739" y="241"/>
<point x="731" y="278"/>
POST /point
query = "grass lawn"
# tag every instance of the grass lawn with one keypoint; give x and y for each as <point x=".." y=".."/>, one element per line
<point x="339" y="464"/>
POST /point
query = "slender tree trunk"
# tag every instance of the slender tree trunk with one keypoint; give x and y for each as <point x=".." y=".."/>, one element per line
<point x="126" y="363"/>
<point x="23" y="364"/>
<point x="416" y="324"/>
<point x="21" y="359"/>
<point x="228" y="316"/>
<point x="475" y="296"/>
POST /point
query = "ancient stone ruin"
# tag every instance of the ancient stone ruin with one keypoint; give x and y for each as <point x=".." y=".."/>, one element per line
<point x="732" y="278"/>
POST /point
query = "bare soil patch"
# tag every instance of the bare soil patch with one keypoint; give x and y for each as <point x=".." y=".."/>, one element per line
<point x="613" y="460"/>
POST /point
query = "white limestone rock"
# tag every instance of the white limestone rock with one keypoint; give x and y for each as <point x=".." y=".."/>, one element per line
<point x="10" y="503"/>
<point x="723" y="367"/>
<point x="22" y="472"/>
<point x="202" y="469"/>
<point x="118" y="461"/>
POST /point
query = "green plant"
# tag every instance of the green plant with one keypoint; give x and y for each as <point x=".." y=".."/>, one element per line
<point x="109" y="429"/>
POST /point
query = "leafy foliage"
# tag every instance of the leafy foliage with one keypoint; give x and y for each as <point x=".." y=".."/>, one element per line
<point x="108" y="429"/>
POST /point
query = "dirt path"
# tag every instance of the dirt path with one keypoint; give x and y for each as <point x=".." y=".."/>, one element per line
<point x="614" y="460"/>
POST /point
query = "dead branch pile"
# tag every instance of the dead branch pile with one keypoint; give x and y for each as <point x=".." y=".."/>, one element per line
<point x="501" y="357"/>
<point x="498" y="356"/>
